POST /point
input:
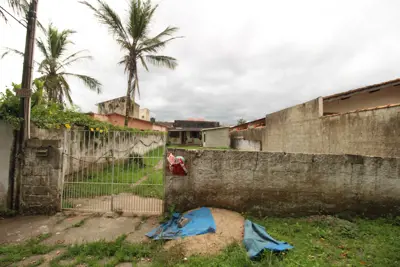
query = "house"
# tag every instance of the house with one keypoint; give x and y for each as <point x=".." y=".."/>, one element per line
<point x="114" y="110"/>
<point x="216" y="137"/>
<point x="363" y="121"/>
<point x="119" y="120"/>
<point x="188" y="132"/>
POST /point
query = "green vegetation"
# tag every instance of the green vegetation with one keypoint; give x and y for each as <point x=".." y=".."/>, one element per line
<point x="14" y="253"/>
<point x="144" y="179"/>
<point x="133" y="37"/>
<point x="318" y="240"/>
<point x="54" y="116"/>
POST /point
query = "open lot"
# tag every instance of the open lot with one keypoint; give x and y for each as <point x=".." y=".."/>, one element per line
<point x="90" y="240"/>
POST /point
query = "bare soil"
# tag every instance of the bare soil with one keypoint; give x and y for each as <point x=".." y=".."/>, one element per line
<point x="230" y="229"/>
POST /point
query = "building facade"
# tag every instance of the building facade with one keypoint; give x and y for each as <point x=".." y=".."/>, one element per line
<point x="216" y="137"/>
<point x="188" y="132"/>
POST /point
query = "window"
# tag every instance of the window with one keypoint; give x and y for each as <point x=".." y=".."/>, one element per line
<point x="174" y="134"/>
<point x="195" y="135"/>
<point x="204" y="137"/>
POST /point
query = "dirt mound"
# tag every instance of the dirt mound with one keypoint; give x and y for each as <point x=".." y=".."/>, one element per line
<point x="230" y="229"/>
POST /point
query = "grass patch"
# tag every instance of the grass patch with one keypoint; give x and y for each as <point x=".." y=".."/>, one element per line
<point x="117" y="251"/>
<point x="135" y="175"/>
<point x="13" y="253"/>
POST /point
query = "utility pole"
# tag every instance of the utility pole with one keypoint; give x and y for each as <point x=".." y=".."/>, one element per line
<point x="25" y="93"/>
<point x="26" y="84"/>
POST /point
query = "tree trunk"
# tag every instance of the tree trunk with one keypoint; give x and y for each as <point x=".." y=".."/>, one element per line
<point x="128" y="100"/>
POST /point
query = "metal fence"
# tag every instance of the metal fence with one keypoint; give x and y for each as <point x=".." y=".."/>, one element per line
<point x="114" y="171"/>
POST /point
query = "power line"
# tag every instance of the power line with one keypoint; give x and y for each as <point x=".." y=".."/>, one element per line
<point x="11" y="15"/>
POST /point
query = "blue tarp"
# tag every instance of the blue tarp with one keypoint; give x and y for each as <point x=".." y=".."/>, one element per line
<point x="256" y="240"/>
<point x="201" y="222"/>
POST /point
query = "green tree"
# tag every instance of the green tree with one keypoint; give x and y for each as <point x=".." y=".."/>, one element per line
<point x="241" y="121"/>
<point x="134" y="39"/>
<point x="53" y="66"/>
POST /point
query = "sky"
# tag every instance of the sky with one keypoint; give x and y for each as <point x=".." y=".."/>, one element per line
<point x="238" y="59"/>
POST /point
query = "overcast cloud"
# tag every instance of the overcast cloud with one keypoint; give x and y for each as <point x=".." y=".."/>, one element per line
<point x="239" y="59"/>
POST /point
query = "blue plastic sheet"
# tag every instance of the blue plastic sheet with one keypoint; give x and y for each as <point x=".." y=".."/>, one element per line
<point x="256" y="240"/>
<point x="200" y="222"/>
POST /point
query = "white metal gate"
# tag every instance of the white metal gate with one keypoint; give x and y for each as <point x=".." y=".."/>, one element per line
<point x="119" y="171"/>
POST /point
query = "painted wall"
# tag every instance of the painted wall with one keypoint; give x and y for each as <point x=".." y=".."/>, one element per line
<point x="301" y="129"/>
<point x="385" y="96"/>
<point x="6" y="142"/>
<point x="285" y="184"/>
<point x="119" y="120"/>
<point x="216" y="138"/>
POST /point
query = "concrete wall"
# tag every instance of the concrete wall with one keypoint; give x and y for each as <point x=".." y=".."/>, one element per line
<point x="301" y="129"/>
<point x="52" y="156"/>
<point x="218" y="137"/>
<point x="247" y="140"/>
<point x="41" y="177"/>
<point x="118" y="105"/>
<point x="144" y="114"/>
<point x="267" y="184"/>
<point x="85" y="148"/>
<point x="6" y="143"/>
<point x="363" y="100"/>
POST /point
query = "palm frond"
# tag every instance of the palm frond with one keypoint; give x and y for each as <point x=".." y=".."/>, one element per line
<point x="107" y="16"/>
<point x="162" y="61"/>
<point x="19" y="6"/>
<point x="154" y="45"/>
<point x="140" y="16"/>
<point x="12" y="51"/>
<point x="89" y="82"/>
<point x="42" y="48"/>
<point x="143" y="63"/>
<point x="66" y="91"/>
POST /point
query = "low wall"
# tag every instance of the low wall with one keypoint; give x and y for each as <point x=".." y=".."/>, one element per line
<point x="265" y="184"/>
<point x="302" y="129"/>
<point x="6" y="143"/>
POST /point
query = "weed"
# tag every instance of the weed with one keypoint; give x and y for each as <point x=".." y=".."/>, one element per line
<point x="8" y="213"/>
<point x="10" y="254"/>
<point x="79" y="224"/>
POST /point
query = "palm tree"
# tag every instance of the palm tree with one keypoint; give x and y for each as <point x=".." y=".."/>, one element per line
<point x="18" y="6"/>
<point x="133" y="38"/>
<point x="53" y="66"/>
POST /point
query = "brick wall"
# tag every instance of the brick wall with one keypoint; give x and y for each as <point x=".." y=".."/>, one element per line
<point x="265" y="184"/>
<point x="41" y="177"/>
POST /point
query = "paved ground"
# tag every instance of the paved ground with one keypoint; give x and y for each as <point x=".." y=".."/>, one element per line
<point x="75" y="229"/>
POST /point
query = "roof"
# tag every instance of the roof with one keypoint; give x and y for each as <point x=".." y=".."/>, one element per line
<point x="185" y="129"/>
<point x="105" y="101"/>
<point x="166" y="124"/>
<point x="216" y="128"/>
<point x="395" y="82"/>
